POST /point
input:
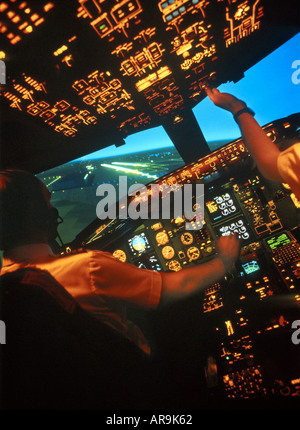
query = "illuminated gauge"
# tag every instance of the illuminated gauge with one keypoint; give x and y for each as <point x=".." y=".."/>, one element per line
<point x="162" y="238"/>
<point x="157" y="226"/>
<point x="168" y="252"/>
<point x="139" y="243"/>
<point x="193" y="253"/>
<point x="120" y="255"/>
<point x="174" y="265"/>
<point x="179" y="221"/>
<point x="187" y="238"/>
<point x="196" y="207"/>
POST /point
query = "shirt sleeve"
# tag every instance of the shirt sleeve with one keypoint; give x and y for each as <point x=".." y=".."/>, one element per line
<point x="117" y="280"/>
<point x="288" y="164"/>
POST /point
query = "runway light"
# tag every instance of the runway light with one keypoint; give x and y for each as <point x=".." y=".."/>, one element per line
<point x="124" y="169"/>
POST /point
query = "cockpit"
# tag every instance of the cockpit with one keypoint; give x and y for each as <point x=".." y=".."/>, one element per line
<point x="102" y="98"/>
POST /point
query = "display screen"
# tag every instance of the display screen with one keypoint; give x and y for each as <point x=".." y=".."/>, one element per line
<point x="139" y="243"/>
<point x="238" y="225"/>
<point x="150" y="262"/>
<point x="221" y="206"/>
<point x="251" y="267"/>
<point x="278" y="240"/>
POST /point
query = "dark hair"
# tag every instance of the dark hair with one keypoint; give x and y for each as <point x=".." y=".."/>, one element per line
<point x="23" y="207"/>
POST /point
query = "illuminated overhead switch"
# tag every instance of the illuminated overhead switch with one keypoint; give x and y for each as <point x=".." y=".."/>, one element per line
<point x="229" y="327"/>
<point x="118" y="18"/>
<point x="62" y="105"/>
<point x="28" y="29"/>
<point x="102" y="25"/>
<point x="34" y="17"/>
<point x="90" y="7"/>
<point x="39" y="21"/>
<point x="23" y="5"/>
<point x="16" y="19"/>
<point x="15" y="40"/>
<point x="10" y="14"/>
<point x="127" y="9"/>
<point x="128" y="67"/>
<point x="3" y="7"/>
<point x="80" y="86"/>
<point x="48" y="7"/>
<point x="152" y="78"/>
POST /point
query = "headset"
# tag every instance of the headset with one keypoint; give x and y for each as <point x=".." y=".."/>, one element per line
<point x="19" y="185"/>
<point x="54" y="220"/>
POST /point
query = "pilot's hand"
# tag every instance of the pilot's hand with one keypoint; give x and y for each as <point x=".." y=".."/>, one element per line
<point x="224" y="100"/>
<point x="228" y="250"/>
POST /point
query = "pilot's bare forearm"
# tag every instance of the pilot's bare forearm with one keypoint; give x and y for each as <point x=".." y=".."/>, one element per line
<point x="178" y="285"/>
<point x="260" y="146"/>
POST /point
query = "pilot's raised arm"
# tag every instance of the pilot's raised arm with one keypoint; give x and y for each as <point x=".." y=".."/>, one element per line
<point x="273" y="164"/>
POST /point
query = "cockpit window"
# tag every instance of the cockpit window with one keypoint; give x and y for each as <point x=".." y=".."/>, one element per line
<point x="145" y="157"/>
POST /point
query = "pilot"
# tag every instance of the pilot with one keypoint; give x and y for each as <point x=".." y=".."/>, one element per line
<point x="276" y="165"/>
<point x="97" y="281"/>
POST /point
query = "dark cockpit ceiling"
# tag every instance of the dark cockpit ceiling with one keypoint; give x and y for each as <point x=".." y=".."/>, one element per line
<point x="83" y="75"/>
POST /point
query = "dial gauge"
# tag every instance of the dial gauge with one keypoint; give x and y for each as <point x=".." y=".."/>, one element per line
<point x="187" y="238"/>
<point x="168" y="252"/>
<point x="193" y="253"/>
<point x="174" y="265"/>
<point x="162" y="238"/>
<point x="120" y="255"/>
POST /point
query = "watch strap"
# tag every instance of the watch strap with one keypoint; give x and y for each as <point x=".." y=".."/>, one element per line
<point x="244" y="110"/>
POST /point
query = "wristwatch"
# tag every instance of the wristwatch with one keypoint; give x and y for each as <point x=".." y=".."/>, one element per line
<point x="244" y="110"/>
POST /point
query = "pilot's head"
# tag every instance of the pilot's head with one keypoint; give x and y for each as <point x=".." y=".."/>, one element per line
<point x="26" y="214"/>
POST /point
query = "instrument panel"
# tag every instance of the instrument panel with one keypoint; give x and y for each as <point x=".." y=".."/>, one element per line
<point x="236" y="199"/>
<point x="245" y="310"/>
<point x="159" y="56"/>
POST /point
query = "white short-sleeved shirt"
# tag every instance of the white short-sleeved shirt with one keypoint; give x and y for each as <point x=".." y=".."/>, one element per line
<point x="101" y="284"/>
<point x="288" y="164"/>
